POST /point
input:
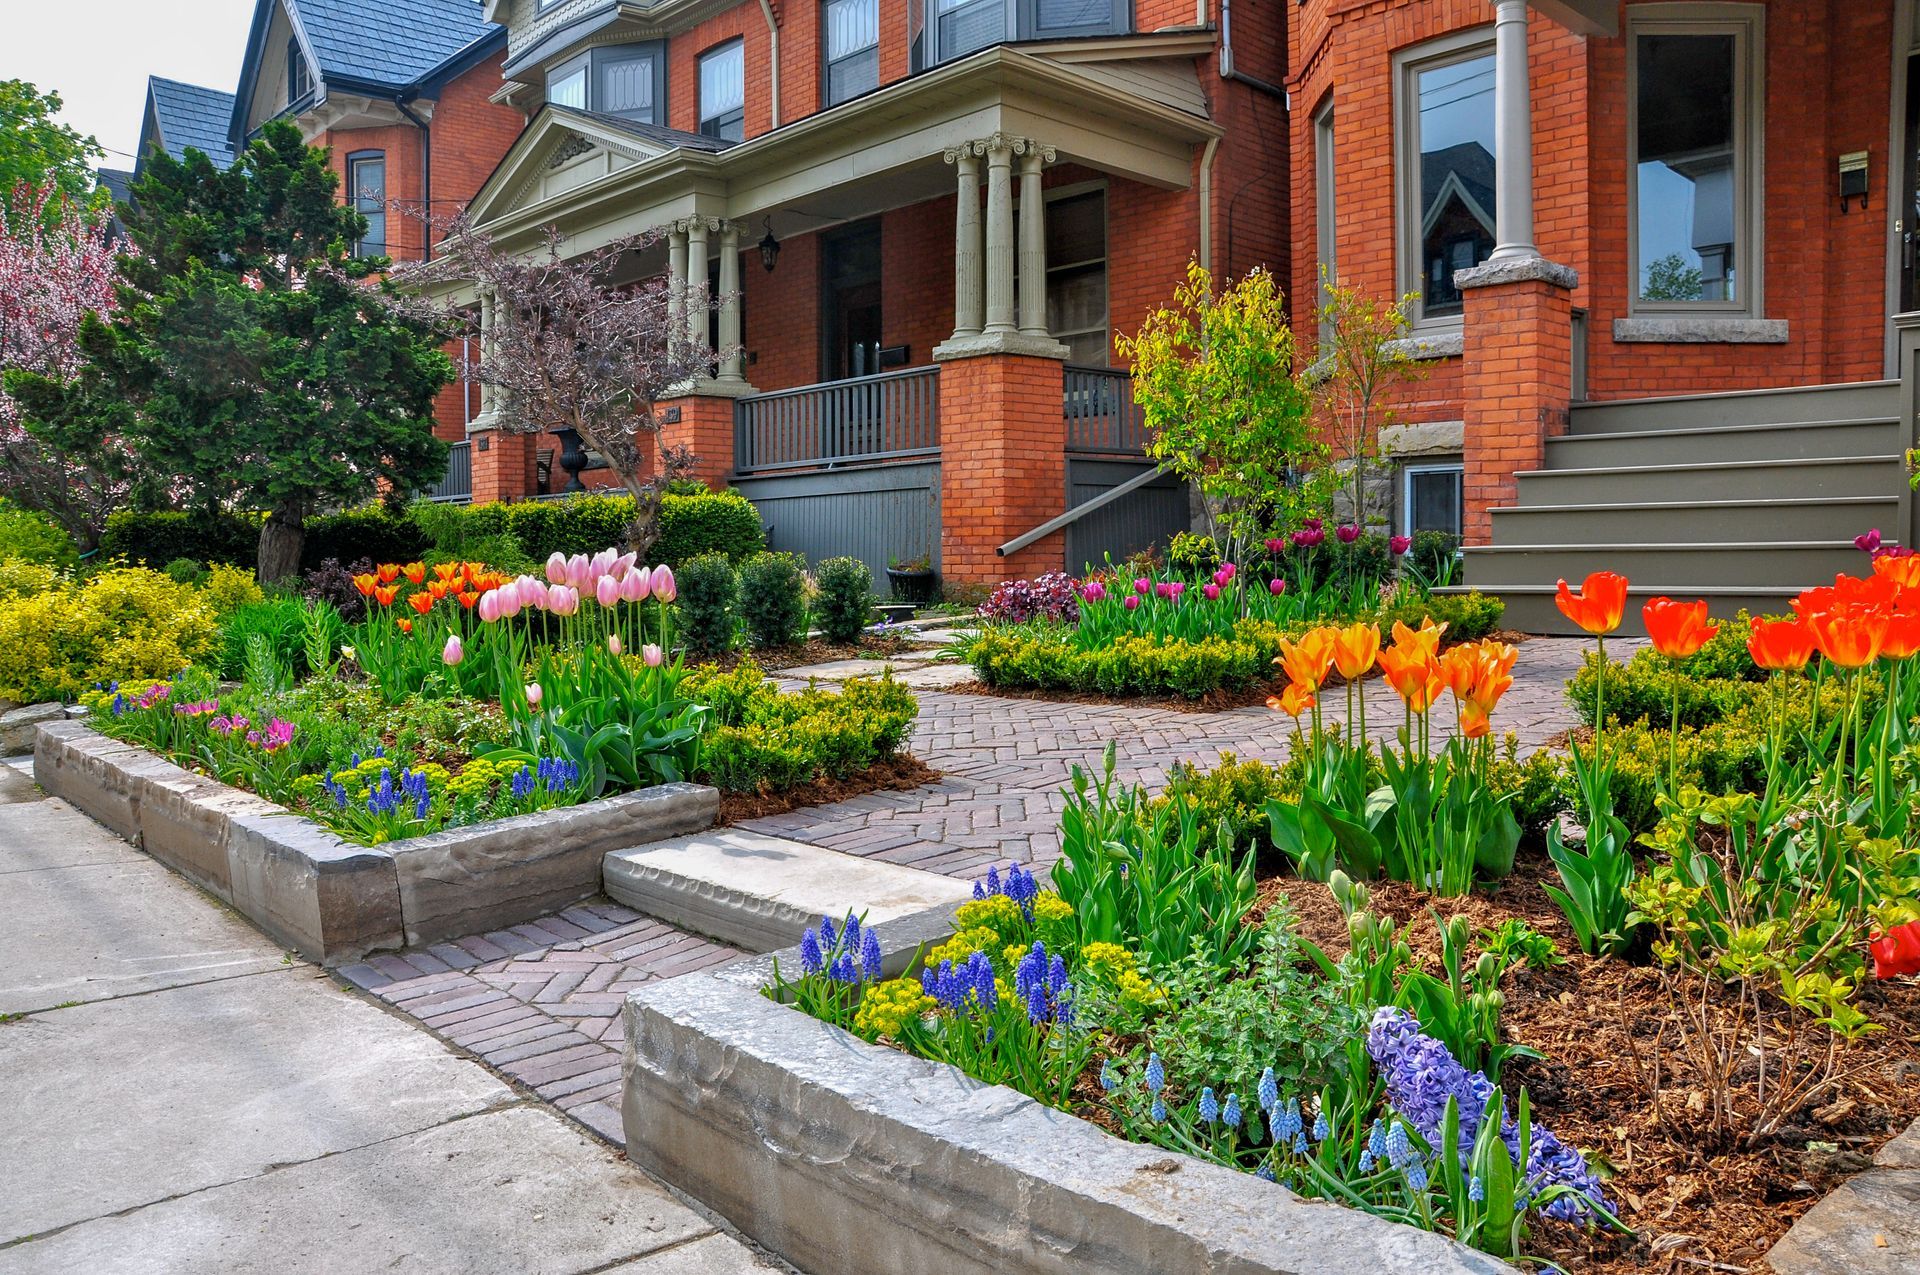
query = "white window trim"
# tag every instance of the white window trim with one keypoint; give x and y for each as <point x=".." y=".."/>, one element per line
<point x="1407" y="472"/>
<point x="1747" y="23"/>
<point x="736" y="45"/>
<point x="1460" y="46"/>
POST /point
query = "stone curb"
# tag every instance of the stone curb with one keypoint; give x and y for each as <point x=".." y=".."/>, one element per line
<point x="1868" y="1225"/>
<point x="862" y="1160"/>
<point x="333" y="901"/>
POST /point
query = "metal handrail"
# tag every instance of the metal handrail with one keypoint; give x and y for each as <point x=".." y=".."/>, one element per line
<point x="1078" y="512"/>
<point x="885" y="416"/>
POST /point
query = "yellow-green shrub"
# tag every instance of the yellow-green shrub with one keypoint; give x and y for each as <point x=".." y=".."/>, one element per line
<point x="226" y="589"/>
<point x="127" y="623"/>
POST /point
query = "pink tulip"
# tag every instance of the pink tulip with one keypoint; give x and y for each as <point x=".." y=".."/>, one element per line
<point x="512" y="596"/>
<point x="1142" y="585"/>
<point x="563" y="599"/>
<point x="1094" y="591"/>
<point x="1178" y="587"/>
<point x="1400" y="544"/>
<point x="1276" y="587"/>
<point x="663" y="585"/>
<point x="1133" y="602"/>
<point x="1228" y="570"/>
<point x="1212" y="591"/>
<point x="533" y="694"/>
<point x="489" y="608"/>
<point x="603" y="561"/>
<point x="579" y="572"/>
<point x="1164" y="589"/>
<point x="453" y="652"/>
<point x="606" y="591"/>
<point x="623" y="565"/>
<point x="557" y="568"/>
<point x="613" y="643"/>
<point x="533" y="593"/>
<point x="636" y="585"/>
<point x="652" y="654"/>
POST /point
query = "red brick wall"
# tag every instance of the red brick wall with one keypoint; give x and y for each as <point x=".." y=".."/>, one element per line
<point x="1002" y="466"/>
<point x="1517" y="389"/>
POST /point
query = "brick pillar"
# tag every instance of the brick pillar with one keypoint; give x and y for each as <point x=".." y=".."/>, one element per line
<point x="1003" y="465"/>
<point x="502" y="466"/>
<point x="1518" y="377"/>
<point x="703" y="424"/>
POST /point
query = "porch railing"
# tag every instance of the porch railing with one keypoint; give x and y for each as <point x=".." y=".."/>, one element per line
<point x="864" y="418"/>
<point x="457" y="486"/>
<point x="1100" y="411"/>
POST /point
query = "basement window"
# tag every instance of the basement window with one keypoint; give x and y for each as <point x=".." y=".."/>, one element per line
<point x="1432" y="498"/>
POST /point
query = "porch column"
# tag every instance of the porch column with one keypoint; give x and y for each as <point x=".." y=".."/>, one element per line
<point x="696" y="279"/>
<point x="966" y="242"/>
<point x="1033" y="240"/>
<point x="1000" y="314"/>
<point x="733" y="367"/>
<point x="1513" y="134"/>
<point x="486" y="349"/>
<point x="676" y="274"/>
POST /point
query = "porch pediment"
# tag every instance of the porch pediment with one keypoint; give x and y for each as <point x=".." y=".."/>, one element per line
<point x="564" y="150"/>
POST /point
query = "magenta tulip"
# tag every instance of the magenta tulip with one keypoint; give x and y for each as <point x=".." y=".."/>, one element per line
<point x="1142" y="585"/>
<point x="1276" y="587"/>
<point x="1400" y="544"/>
<point x="1093" y="591"/>
<point x="1212" y="591"/>
<point x="1348" y="532"/>
<point x="663" y="586"/>
<point x="1133" y="602"/>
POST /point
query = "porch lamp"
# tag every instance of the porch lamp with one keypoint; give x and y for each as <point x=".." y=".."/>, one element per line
<point x="769" y="248"/>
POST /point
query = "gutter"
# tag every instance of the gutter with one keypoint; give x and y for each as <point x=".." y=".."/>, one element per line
<point x="426" y="175"/>
<point x="773" y="44"/>
<point x="1226" y="57"/>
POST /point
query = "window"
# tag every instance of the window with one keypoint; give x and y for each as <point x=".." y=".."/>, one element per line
<point x="952" y="29"/>
<point x="299" y="78"/>
<point x="1446" y="169"/>
<point x="628" y="80"/>
<point x="367" y="193"/>
<point x="1323" y="205"/>
<point x="723" y="92"/>
<point x="567" y="86"/>
<point x="851" y="37"/>
<point x="1077" y="275"/>
<point x="1431" y="498"/>
<point x="1694" y="71"/>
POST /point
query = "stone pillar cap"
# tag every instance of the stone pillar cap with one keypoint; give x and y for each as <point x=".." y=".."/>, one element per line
<point x="1517" y="270"/>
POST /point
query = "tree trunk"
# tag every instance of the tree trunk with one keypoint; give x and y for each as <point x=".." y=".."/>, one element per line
<point x="281" y="537"/>
<point x="644" y="531"/>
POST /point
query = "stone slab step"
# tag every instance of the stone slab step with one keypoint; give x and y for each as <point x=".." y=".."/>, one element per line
<point x="1799" y="441"/>
<point x="1531" y="608"/>
<point x="1665" y="568"/>
<point x="1869" y="1225"/>
<point x="1790" y="405"/>
<point x="1733" y="480"/>
<point x="1694" y="522"/>
<point x="758" y="892"/>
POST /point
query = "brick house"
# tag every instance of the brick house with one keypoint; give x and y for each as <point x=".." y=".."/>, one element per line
<point x="1661" y="250"/>
<point x="928" y="219"/>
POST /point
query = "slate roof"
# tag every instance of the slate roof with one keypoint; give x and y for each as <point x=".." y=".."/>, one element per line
<point x="189" y="115"/>
<point x="389" y="42"/>
<point x="117" y="182"/>
<point x="655" y="133"/>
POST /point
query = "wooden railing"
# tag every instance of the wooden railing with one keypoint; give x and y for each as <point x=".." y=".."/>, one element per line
<point x="1100" y="411"/>
<point x="457" y="486"/>
<point x="865" y="418"/>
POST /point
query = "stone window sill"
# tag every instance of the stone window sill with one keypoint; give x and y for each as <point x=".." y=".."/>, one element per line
<point x="1699" y="329"/>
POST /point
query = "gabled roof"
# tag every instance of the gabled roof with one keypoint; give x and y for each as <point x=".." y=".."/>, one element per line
<point x="558" y="135"/>
<point x="658" y="134"/>
<point x="117" y="182"/>
<point x="188" y="115"/>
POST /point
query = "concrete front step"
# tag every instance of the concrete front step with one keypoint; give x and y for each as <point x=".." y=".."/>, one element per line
<point x="1695" y="522"/>
<point x="1831" y="477"/>
<point x="1701" y="445"/>
<point x="1790" y="565"/>
<point x="1531" y="608"/>
<point x="1790" y="405"/>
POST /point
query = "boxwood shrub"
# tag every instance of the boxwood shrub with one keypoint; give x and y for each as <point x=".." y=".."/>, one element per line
<point x="763" y="741"/>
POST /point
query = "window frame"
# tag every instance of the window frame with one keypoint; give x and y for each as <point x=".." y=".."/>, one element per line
<point x="580" y="62"/>
<point x="1325" y="208"/>
<point x="1020" y="21"/>
<point x="1747" y="24"/>
<point x="827" y="64"/>
<point x="1410" y="265"/>
<point x="713" y="126"/>
<point x="354" y="161"/>
<point x="1408" y="471"/>
<point x="1077" y="190"/>
<point x="297" y="60"/>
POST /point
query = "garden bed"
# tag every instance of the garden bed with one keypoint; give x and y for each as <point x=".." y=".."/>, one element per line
<point x="332" y="901"/>
<point x="899" y="773"/>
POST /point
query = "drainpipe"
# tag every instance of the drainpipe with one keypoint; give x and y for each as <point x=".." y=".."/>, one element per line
<point x="426" y="175"/>
<point x="1206" y="204"/>
<point x="1226" y="57"/>
<point x="773" y="46"/>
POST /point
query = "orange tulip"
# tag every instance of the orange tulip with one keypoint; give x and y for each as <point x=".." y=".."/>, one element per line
<point x="1354" y="649"/>
<point x="1474" y="724"/>
<point x="406" y="625"/>
<point x="1780" y="644"/>
<point x="468" y="599"/>
<point x="1880" y="591"/>
<point x="438" y="588"/>
<point x="388" y="572"/>
<point x="1903" y="635"/>
<point x="1850" y="634"/>
<point x="415" y="571"/>
<point x="446" y="571"/>
<point x="1309" y="660"/>
<point x="1678" y="629"/>
<point x="385" y="595"/>
<point x="421" y="602"/>
<point x="366" y="584"/>
<point x="1903" y="569"/>
<point x="1423" y="640"/>
<point x="1415" y="676"/>
<point x="1293" y="701"/>
<point x="1599" y="605"/>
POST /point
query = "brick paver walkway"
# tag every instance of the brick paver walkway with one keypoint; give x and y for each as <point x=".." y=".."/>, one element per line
<point x="541" y="1001"/>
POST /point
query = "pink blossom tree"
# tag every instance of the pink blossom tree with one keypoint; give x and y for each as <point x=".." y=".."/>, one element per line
<point x="570" y="349"/>
<point x="56" y="268"/>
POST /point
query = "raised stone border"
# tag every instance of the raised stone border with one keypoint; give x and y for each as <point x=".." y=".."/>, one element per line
<point x="1868" y="1225"/>
<point x="862" y="1160"/>
<point x="333" y="901"/>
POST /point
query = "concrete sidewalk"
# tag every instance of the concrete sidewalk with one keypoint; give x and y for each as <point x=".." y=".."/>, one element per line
<point x="184" y="1097"/>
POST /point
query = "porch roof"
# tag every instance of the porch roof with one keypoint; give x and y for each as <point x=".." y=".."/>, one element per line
<point x="1587" y="17"/>
<point x="599" y="181"/>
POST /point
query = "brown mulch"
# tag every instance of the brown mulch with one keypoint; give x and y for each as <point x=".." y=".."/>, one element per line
<point x="899" y="773"/>
<point x="812" y="652"/>
<point x="1697" y="1202"/>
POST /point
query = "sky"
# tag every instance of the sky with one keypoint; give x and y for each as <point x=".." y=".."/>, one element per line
<point x="98" y="54"/>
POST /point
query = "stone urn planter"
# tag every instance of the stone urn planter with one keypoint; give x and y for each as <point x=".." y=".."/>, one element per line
<point x="916" y="582"/>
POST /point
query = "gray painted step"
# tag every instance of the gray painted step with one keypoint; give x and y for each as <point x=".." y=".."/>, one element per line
<point x="1874" y="437"/>
<point x="1793" y="405"/>
<point x="1531" y="608"/>
<point x="1791" y="565"/>
<point x="1696" y="522"/>
<point x="1745" y="480"/>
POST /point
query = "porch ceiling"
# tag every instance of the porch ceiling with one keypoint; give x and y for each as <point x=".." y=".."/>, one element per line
<point x="880" y="151"/>
<point x="1587" y="17"/>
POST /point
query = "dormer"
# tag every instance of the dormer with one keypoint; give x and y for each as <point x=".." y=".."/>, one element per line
<point x="604" y="56"/>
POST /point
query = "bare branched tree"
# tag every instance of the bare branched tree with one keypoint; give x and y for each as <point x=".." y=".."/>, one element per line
<point x="569" y="349"/>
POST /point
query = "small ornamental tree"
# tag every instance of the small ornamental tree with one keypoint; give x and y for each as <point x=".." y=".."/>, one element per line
<point x="568" y="350"/>
<point x="37" y="150"/>
<point x="1214" y="375"/>
<point x="253" y="356"/>
<point x="1363" y="359"/>
<point x="56" y="268"/>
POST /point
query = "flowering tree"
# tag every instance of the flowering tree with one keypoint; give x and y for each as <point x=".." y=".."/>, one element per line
<point x="1365" y="358"/>
<point x="567" y="351"/>
<point x="56" y="268"/>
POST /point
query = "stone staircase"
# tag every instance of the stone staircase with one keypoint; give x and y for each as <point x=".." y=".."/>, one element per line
<point x="1743" y="499"/>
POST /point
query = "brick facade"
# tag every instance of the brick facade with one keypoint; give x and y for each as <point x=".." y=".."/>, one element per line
<point x="1516" y="386"/>
<point x="1003" y="467"/>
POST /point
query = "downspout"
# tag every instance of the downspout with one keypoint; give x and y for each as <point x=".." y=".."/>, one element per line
<point x="1226" y="56"/>
<point x="1206" y="204"/>
<point x="426" y="177"/>
<point x="773" y="47"/>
